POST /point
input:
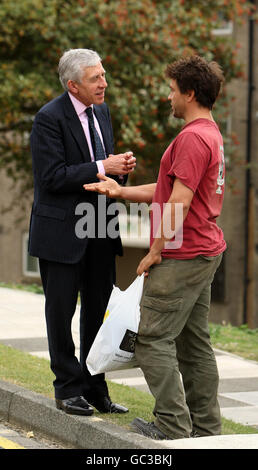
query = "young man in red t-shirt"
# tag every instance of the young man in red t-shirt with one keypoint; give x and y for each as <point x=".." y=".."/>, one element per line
<point x="173" y="335"/>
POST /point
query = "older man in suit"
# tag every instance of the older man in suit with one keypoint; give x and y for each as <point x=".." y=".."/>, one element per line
<point x="72" y="141"/>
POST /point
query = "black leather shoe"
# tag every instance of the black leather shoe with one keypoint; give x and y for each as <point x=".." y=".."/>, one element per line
<point x="74" y="406"/>
<point x="148" y="429"/>
<point x="105" y="405"/>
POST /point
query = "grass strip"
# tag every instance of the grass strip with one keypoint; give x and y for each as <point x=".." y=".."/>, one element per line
<point x="35" y="288"/>
<point x="239" y="340"/>
<point x="34" y="374"/>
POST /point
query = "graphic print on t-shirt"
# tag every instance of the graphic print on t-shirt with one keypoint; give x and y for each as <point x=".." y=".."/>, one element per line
<point x="220" y="179"/>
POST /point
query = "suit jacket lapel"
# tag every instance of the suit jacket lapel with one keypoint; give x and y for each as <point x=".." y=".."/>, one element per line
<point x="76" y="127"/>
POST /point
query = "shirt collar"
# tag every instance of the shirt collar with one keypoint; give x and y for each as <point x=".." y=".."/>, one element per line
<point x="78" y="105"/>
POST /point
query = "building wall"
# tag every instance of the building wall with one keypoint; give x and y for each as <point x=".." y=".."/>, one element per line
<point x="254" y="173"/>
<point x="255" y="165"/>
<point x="232" y="219"/>
<point x="14" y="224"/>
<point x="234" y="216"/>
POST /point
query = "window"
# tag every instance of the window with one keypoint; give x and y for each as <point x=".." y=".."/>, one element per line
<point x="225" y="29"/>
<point x="135" y="230"/>
<point x="224" y="26"/>
<point x="30" y="264"/>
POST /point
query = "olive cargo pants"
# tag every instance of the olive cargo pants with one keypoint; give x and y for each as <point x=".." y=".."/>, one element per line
<point x="174" y="338"/>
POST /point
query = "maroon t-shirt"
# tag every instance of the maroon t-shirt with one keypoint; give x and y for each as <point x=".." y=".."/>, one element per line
<point x="196" y="158"/>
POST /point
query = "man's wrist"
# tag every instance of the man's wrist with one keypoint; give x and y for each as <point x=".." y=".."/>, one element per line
<point x="155" y="251"/>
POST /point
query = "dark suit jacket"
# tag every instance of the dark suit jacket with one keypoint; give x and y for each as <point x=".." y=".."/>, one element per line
<point x="61" y="165"/>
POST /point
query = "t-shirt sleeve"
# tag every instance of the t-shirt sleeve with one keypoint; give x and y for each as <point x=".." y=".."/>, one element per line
<point x="190" y="160"/>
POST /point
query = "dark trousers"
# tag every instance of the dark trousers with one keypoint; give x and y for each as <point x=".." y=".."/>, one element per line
<point x="93" y="277"/>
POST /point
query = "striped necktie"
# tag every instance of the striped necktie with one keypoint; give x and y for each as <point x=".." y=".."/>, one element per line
<point x="97" y="146"/>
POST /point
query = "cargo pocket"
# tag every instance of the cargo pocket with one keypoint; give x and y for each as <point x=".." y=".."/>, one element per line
<point x="158" y="315"/>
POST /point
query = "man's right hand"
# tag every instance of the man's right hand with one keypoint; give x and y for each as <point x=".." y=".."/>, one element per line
<point x="120" y="164"/>
<point x="107" y="186"/>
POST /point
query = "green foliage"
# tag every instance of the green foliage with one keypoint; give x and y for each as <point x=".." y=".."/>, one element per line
<point x="135" y="38"/>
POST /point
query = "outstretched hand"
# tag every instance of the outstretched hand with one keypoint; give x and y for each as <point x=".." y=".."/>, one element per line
<point x="107" y="186"/>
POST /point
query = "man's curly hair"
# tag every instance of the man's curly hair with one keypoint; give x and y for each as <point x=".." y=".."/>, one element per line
<point x="194" y="73"/>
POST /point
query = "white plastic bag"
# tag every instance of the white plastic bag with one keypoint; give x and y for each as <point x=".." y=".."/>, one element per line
<point x="113" y="347"/>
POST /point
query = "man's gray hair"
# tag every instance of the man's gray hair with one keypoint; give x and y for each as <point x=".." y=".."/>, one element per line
<point x="73" y="62"/>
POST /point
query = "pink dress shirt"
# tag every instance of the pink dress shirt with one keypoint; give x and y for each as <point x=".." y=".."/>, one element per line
<point x="80" y="110"/>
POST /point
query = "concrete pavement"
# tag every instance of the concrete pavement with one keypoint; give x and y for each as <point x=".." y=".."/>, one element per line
<point x="22" y="326"/>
